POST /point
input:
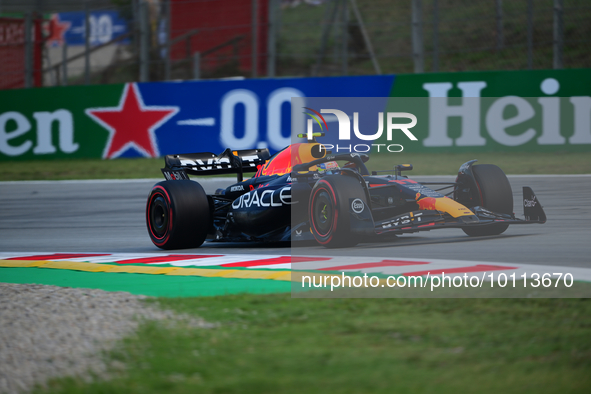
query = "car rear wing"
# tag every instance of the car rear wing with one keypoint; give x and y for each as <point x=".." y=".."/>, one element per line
<point x="228" y="162"/>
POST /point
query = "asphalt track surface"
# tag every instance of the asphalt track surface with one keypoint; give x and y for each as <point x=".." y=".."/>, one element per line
<point x="108" y="216"/>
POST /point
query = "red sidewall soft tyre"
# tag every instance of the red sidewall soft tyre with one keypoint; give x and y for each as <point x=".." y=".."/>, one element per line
<point x="159" y="205"/>
<point x="328" y="210"/>
<point x="178" y="215"/>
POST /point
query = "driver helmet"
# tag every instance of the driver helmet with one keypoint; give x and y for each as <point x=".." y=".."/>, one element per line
<point x="328" y="167"/>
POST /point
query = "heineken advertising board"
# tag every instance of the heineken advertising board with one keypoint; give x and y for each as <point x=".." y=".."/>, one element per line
<point x="545" y="110"/>
<point x="481" y="111"/>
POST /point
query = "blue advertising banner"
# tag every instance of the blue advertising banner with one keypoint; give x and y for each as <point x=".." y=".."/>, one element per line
<point x="160" y="118"/>
<point x="215" y="115"/>
<point x="70" y="27"/>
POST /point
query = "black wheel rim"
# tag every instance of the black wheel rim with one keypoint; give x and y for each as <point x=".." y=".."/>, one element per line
<point x="323" y="213"/>
<point x="159" y="216"/>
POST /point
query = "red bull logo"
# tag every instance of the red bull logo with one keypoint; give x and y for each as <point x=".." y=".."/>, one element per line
<point x="294" y="154"/>
<point x="443" y="204"/>
<point x="427" y="203"/>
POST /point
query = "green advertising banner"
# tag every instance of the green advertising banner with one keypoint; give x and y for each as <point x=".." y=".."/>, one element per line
<point x="52" y="123"/>
<point x="543" y="111"/>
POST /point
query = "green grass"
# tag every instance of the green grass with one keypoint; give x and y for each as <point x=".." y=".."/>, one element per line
<point x="274" y="344"/>
<point x="81" y="169"/>
<point x="424" y="164"/>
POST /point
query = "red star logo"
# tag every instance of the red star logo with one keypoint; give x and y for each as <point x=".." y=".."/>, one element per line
<point x="57" y="29"/>
<point x="132" y="124"/>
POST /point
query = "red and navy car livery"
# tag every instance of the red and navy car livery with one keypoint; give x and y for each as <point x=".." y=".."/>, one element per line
<point x="305" y="192"/>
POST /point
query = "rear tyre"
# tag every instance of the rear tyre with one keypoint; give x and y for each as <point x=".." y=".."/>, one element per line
<point x="328" y="210"/>
<point x="178" y="215"/>
<point x="493" y="193"/>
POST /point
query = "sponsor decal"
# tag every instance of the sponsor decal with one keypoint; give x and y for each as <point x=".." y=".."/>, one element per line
<point x="530" y="203"/>
<point x="217" y="164"/>
<point x="403" y="220"/>
<point x="238" y="188"/>
<point x="264" y="199"/>
<point x="420" y="190"/>
<point x="427" y="203"/>
<point x="175" y="175"/>
<point x="357" y="205"/>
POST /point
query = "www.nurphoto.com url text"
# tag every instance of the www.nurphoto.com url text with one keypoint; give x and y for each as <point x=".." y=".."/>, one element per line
<point x="441" y="280"/>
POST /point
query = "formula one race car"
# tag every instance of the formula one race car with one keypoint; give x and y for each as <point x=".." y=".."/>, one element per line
<point x="305" y="192"/>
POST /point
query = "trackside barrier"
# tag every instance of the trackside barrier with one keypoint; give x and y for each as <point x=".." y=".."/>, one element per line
<point x="154" y="119"/>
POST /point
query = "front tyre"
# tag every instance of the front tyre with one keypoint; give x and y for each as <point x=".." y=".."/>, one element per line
<point x="178" y="215"/>
<point x="328" y="210"/>
<point x="493" y="193"/>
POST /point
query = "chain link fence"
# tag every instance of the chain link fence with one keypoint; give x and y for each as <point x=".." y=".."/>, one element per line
<point x="114" y="41"/>
<point x="331" y="38"/>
